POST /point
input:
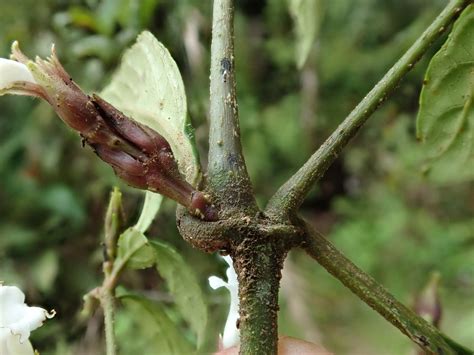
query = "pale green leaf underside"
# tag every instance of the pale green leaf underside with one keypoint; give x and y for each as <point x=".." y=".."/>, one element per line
<point x="148" y="87"/>
<point x="306" y="15"/>
<point x="155" y="330"/>
<point x="151" y="206"/>
<point x="445" y="122"/>
<point x="134" y="250"/>
<point x="184" y="287"/>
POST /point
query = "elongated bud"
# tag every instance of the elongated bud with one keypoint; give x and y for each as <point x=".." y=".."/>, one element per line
<point x="138" y="154"/>
<point x="427" y="303"/>
<point x="113" y="223"/>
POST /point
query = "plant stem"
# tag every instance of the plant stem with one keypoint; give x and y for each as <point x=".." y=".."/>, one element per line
<point x="258" y="267"/>
<point x="227" y="172"/>
<point x="107" y="302"/>
<point x="368" y="290"/>
<point x="106" y="293"/>
<point x="289" y="197"/>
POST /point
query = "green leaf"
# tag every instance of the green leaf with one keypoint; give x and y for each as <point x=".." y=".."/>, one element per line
<point x="134" y="250"/>
<point x="445" y="122"/>
<point x="184" y="286"/>
<point x="151" y="206"/>
<point x="307" y="15"/>
<point x="145" y="328"/>
<point x="45" y="269"/>
<point x="149" y="88"/>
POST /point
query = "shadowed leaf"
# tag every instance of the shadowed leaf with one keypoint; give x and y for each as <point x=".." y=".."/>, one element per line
<point x="154" y="331"/>
<point x="183" y="285"/>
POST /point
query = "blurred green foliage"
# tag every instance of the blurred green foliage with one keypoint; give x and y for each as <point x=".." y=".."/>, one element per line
<point x="375" y="203"/>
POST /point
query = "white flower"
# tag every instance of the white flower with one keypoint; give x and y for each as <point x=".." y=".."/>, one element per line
<point x="231" y="333"/>
<point x="20" y="76"/>
<point x="17" y="320"/>
<point x="12" y="72"/>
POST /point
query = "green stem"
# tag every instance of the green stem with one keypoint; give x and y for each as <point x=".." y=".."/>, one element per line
<point x="289" y="197"/>
<point x="106" y="293"/>
<point x="227" y="172"/>
<point x="368" y="290"/>
<point x="258" y="267"/>
<point x="107" y="301"/>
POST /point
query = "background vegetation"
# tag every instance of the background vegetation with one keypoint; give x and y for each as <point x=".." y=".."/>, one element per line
<point x="378" y="203"/>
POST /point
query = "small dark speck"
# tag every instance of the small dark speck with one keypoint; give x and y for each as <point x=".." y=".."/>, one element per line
<point x="105" y="255"/>
<point x="226" y="65"/>
<point x="232" y="160"/>
<point x="423" y="340"/>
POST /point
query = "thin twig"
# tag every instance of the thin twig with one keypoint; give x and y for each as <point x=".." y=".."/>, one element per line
<point x="106" y="293"/>
<point x="107" y="302"/>
<point x="368" y="290"/>
<point x="289" y="197"/>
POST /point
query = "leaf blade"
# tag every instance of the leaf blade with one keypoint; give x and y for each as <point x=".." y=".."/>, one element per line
<point x="157" y="331"/>
<point x="445" y="121"/>
<point x="134" y="250"/>
<point x="307" y="15"/>
<point x="158" y="100"/>
<point x="151" y="206"/>
<point x="184" y="286"/>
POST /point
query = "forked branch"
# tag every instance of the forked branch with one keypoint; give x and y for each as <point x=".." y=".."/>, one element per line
<point x="290" y="196"/>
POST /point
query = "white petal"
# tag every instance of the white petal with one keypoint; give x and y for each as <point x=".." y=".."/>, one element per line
<point x="232" y="277"/>
<point x="12" y="71"/>
<point x="216" y="282"/>
<point x="16" y="316"/>
<point x="228" y="260"/>
<point x="231" y="334"/>
<point x="13" y="346"/>
<point x="11" y="298"/>
<point x="29" y="318"/>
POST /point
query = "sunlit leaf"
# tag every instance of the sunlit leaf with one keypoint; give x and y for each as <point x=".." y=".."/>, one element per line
<point x="147" y="329"/>
<point x="149" y="88"/>
<point x="134" y="250"/>
<point x="445" y="123"/>
<point x="307" y="16"/>
<point x="150" y="208"/>
<point x="184" y="286"/>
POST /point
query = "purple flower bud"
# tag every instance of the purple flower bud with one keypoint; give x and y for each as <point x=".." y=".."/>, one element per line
<point x="138" y="154"/>
<point x="427" y="303"/>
